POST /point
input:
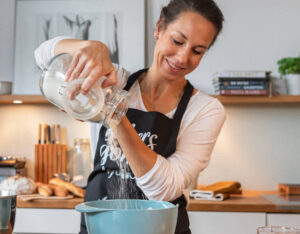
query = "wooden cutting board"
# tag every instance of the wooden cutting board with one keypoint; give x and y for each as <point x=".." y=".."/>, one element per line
<point x="31" y="197"/>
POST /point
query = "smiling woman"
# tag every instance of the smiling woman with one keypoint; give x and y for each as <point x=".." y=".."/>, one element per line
<point x="179" y="49"/>
<point x="170" y="129"/>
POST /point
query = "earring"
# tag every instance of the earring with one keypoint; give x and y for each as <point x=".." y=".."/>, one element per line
<point x="155" y="37"/>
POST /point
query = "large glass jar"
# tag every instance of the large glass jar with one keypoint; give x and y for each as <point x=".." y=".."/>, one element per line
<point x="98" y="105"/>
<point x="81" y="161"/>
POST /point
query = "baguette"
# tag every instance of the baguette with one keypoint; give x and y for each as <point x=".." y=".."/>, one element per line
<point x="45" y="190"/>
<point x="70" y="187"/>
<point x="60" y="190"/>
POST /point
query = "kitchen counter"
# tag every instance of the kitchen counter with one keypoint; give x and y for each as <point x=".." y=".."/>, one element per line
<point x="248" y="201"/>
<point x="49" y="203"/>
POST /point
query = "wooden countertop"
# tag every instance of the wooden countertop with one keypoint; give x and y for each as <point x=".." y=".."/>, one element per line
<point x="50" y="204"/>
<point x="248" y="201"/>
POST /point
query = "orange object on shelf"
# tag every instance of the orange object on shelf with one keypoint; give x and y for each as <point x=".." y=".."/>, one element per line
<point x="224" y="187"/>
<point x="289" y="189"/>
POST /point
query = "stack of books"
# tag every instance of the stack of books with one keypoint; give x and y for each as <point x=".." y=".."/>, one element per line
<point x="252" y="83"/>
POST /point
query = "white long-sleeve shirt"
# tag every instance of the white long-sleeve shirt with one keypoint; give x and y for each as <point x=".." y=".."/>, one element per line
<point x="199" y="129"/>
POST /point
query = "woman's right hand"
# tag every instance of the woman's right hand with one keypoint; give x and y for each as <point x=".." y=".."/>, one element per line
<point x="91" y="60"/>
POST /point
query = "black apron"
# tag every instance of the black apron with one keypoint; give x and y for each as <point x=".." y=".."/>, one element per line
<point x="108" y="181"/>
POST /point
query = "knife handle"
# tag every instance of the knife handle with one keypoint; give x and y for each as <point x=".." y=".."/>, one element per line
<point x="49" y="134"/>
<point x="45" y="133"/>
<point x="53" y="134"/>
<point x="58" y="134"/>
<point x="40" y="134"/>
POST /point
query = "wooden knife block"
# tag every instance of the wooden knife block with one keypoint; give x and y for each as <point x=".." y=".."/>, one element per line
<point x="49" y="159"/>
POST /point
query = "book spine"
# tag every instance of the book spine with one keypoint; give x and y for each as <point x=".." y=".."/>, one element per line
<point x="244" y="87"/>
<point x="244" y="92"/>
<point x="244" y="79"/>
<point x="238" y="83"/>
<point x="243" y="73"/>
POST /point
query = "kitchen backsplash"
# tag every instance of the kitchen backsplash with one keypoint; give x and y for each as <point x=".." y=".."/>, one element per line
<point x="258" y="145"/>
<point x="19" y="129"/>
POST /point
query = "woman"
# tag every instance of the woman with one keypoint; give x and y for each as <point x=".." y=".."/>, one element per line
<point x="170" y="128"/>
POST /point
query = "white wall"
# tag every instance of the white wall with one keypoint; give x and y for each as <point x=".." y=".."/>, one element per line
<point x="7" y="19"/>
<point x="259" y="144"/>
<point x="19" y="129"/>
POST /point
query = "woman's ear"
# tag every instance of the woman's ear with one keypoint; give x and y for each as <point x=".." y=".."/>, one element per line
<point x="158" y="29"/>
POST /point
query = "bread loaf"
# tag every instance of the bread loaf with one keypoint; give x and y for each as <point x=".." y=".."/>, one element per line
<point x="70" y="187"/>
<point x="45" y="190"/>
<point x="20" y="184"/>
<point x="60" y="191"/>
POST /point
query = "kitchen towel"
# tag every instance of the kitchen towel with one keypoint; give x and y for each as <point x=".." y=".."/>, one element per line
<point x="217" y="191"/>
<point x="225" y="187"/>
<point x="207" y="195"/>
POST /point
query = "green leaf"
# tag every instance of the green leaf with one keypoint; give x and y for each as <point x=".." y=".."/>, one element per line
<point x="289" y="65"/>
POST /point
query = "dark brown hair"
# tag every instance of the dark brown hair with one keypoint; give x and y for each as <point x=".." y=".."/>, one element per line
<point x="206" y="8"/>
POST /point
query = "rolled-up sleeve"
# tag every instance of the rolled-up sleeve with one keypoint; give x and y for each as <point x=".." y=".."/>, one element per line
<point x="45" y="51"/>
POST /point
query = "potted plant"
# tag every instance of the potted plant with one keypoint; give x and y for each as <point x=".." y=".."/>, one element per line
<point x="289" y="68"/>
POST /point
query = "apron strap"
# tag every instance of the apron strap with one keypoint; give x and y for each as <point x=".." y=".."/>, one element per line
<point x="132" y="78"/>
<point x="188" y="91"/>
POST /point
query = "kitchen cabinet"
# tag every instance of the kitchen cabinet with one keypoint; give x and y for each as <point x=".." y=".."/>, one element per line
<point x="30" y="220"/>
<point x="225" y="222"/>
<point x="290" y="220"/>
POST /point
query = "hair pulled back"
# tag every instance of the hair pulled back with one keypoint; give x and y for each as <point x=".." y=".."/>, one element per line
<point x="206" y="8"/>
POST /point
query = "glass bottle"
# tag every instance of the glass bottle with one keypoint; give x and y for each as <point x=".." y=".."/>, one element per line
<point x="98" y="105"/>
<point x="82" y="161"/>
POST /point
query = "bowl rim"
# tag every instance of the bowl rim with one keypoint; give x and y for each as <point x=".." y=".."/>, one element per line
<point x="87" y="207"/>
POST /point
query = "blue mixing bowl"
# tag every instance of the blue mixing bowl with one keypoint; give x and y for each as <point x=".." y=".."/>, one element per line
<point x="129" y="216"/>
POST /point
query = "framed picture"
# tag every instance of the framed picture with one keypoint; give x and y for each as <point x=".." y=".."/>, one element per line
<point x="120" y="24"/>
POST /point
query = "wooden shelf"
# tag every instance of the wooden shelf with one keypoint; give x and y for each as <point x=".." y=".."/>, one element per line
<point x="26" y="99"/>
<point x="279" y="99"/>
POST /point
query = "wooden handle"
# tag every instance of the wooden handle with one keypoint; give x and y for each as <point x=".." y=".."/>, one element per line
<point x="45" y="133"/>
<point x="40" y="134"/>
<point x="49" y="134"/>
<point x="58" y="134"/>
<point x="53" y="134"/>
